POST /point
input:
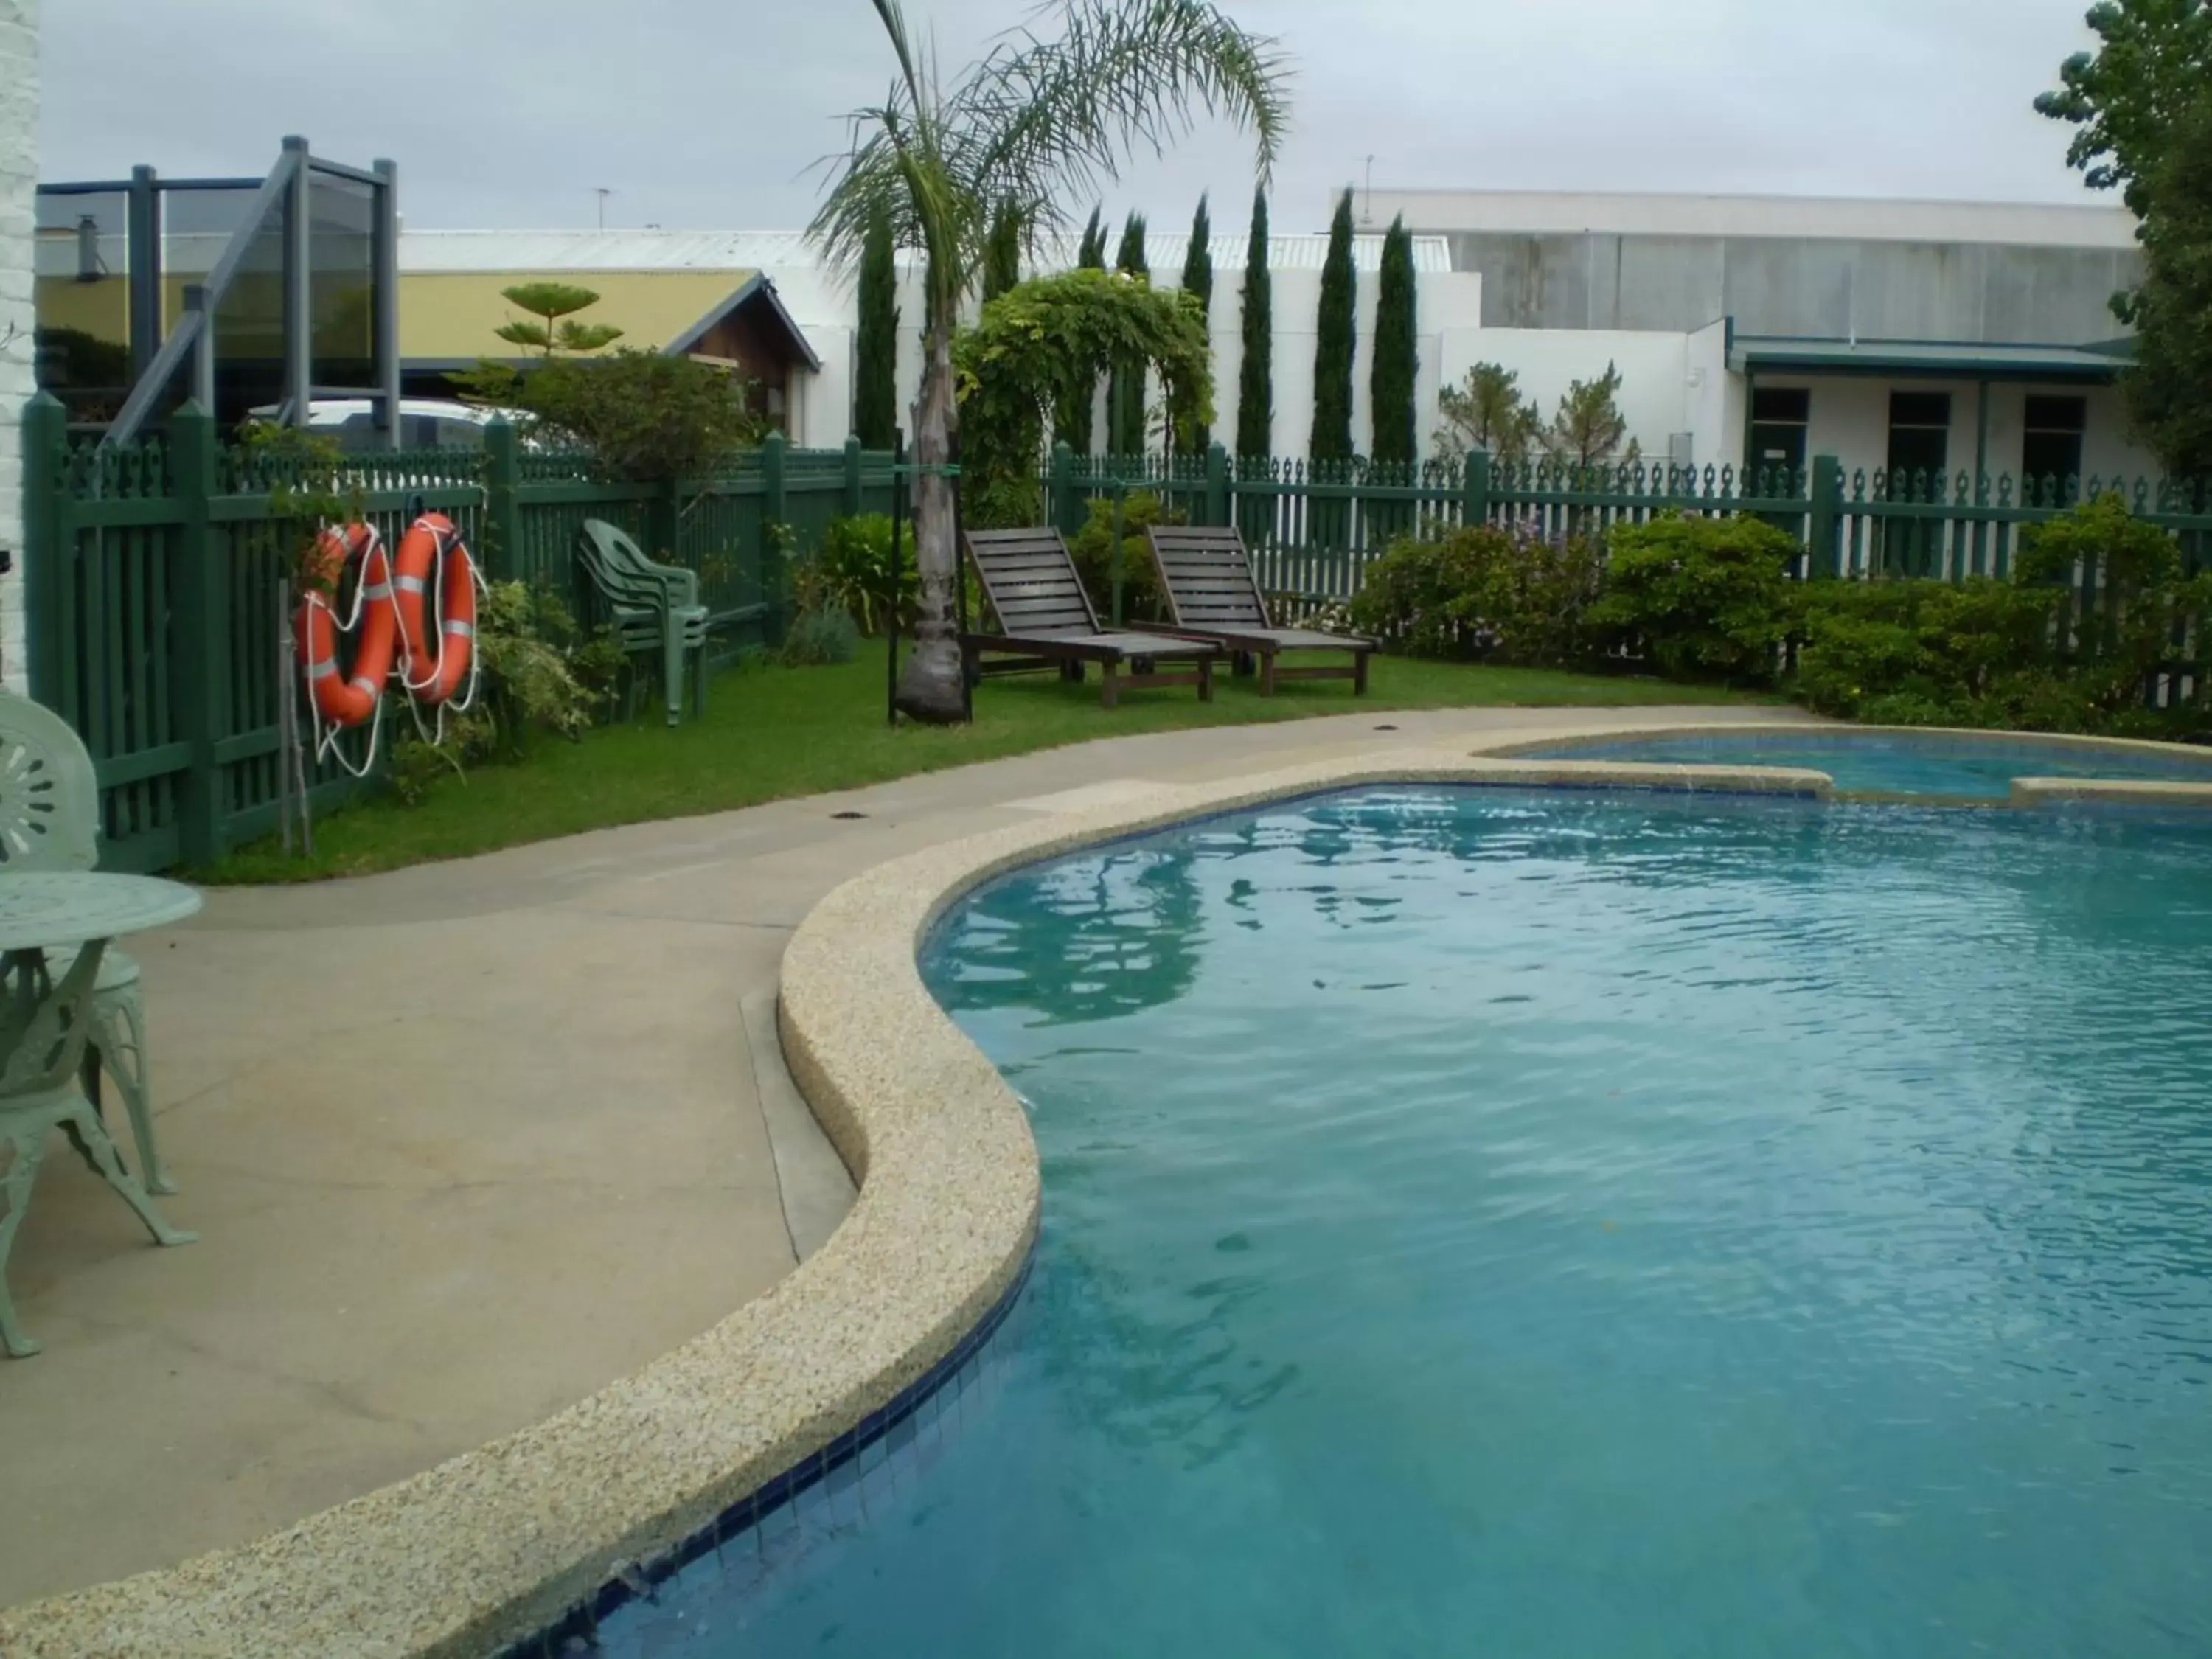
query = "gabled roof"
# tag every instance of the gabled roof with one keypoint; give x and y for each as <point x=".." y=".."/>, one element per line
<point x="453" y="316"/>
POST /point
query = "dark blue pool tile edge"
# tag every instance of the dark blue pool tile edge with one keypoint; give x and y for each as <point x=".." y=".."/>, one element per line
<point x="642" y="1578"/>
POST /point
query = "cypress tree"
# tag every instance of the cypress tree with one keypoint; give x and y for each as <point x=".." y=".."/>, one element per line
<point x="1198" y="281"/>
<point x="875" y="378"/>
<point x="1125" y="397"/>
<point x="1396" y="346"/>
<point x="1071" y="421"/>
<point x="1256" y="377"/>
<point x="1333" y="343"/>
<point x="1002" y="252"/>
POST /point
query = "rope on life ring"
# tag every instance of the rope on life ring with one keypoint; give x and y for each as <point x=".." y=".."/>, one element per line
<point x="391" y="612"/>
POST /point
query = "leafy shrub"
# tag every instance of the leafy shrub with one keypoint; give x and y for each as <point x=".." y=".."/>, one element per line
<point x="643" y="416"/>
<point x="851" y="572"/>
<point x="1092" y="546"/>
<point x="538" y="673"/>
<point x="1514" y="596"/>
<point x="1702" y="598"/>
<point x="1912" y="653"/>
<point x="2012" y="653"/>
<point x="1006" y="502"/>
<point x="816" y="639"/>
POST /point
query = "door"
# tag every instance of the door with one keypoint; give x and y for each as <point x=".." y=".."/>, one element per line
<point x="1916" y="472"/>
<point x="2051" y="453"/>
<point x="1779" y="418"/>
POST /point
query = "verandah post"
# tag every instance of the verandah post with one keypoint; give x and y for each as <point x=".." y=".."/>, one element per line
<point x="1474" y="501"/>
<point x="502" y="513"/>
<point x="1823" y="542"/>
<point x="849" y="505"/>
<point x="45" y="543"/>
<point x="775" y="531"/>
<point x="203" y="657"/>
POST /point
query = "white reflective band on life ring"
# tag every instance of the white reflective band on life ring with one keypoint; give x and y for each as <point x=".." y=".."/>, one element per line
<point x="410" y="584"/>
<point x="466" y="630"/>
<point x="363" y="684"/>
<point x="323" y="670"/>
<point x="381" y="591"/>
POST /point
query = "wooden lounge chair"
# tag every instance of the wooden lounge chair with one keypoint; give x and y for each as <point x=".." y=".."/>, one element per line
<point x="1212" y="595"/>
<point x="1045" y="621"/>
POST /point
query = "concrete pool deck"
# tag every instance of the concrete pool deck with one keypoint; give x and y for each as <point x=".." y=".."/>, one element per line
<point x="466" y="1143"/>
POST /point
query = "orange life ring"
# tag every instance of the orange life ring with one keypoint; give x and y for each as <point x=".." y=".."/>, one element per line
<point x="447" y="666"/>
<point x="343" y="699"/>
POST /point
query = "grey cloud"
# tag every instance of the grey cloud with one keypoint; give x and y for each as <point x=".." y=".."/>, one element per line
<point x="709" y="113"/>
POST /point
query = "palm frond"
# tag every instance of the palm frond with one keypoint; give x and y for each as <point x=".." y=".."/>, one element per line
<point x="1047" y="116"/>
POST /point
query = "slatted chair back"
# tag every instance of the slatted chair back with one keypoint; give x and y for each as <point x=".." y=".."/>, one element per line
<point x="1208" y="580"/>
<point x="1031" y="581"/>
<point x="48" y="793"/>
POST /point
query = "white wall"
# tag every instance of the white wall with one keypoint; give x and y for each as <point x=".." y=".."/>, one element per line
<point x="1851" y="421"/>
<point x="824" y="307"/>
<point x="19" y="175"/>
<point x="1657" y="397"/>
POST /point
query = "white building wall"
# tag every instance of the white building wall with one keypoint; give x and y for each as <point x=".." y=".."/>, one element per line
<point x="19" y="175"/>
<point x="1656" y="394"/>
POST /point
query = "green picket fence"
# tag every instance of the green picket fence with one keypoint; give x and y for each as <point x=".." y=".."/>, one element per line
<point x="154" y="591"/>
<point x="1312" y="527"/>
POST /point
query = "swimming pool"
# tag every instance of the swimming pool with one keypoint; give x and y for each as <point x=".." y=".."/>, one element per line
<point x="1630" y="1224"/>
<point x="1968" y="765"/>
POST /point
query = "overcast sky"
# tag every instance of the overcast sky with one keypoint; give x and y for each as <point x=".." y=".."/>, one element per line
<point x="710" y="112"/>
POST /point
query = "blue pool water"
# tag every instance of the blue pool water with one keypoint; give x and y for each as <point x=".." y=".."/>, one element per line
<point x="1915" y="763"/>
<point x="1624" y="1225"/>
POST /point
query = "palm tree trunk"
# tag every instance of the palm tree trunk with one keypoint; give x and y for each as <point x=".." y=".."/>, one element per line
<point x="929" y="686"/>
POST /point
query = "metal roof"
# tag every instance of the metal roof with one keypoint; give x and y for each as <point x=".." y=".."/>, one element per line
<point x="2087" y="224"/>
<point x="538" y="251"/>
<point x="1933" y="360"/>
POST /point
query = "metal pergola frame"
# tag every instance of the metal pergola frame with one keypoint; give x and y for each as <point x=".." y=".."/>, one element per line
<point x="190" y="346"/>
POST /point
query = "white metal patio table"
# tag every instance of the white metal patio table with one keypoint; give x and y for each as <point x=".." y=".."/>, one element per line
<point x="44" y="1025"/>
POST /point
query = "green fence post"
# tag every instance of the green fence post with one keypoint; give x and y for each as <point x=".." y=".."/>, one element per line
<point x="203" y="651"/>
<point x="851" y="505"/>
<point x="503" y="511"/>
<point x="1823" y="540"/>
<point x="774" y="531"/>
<point x="1060" y="504"/>
<point x="1217" y="484"/>
<point x="45" y="544"/>
<point x="1474" y="500"/>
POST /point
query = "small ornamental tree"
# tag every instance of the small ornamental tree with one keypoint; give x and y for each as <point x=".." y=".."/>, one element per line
<point x="1396" y="351"/>
<point x="1588" y="429"/>
<point x="2169" y="385"/>
<point x="1487" y="411"/>
<point x="1198" y="282"/>
<point x="1333" y="343"/>
<point x="1256" y="376"/>
<point x="553" y="305"/>
<point x="875" y="387"/>
<point x="1002" y="253"/>
<point x="1072" y="419"/>
<point x="1125" y="395"/>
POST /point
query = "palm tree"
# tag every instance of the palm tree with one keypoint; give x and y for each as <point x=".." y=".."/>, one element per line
<point x="1031" y="121"/>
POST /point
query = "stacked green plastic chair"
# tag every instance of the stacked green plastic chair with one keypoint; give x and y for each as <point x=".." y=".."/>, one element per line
<point x="49" y="820"/>
<point x="651" y="607"/>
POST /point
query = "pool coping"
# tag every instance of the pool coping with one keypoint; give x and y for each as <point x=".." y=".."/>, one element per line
<point x="504" y="1543"/>
<point x="1802" y="731"/>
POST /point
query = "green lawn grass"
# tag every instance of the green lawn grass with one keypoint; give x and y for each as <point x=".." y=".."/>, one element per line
<point x="772" y="733"/>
